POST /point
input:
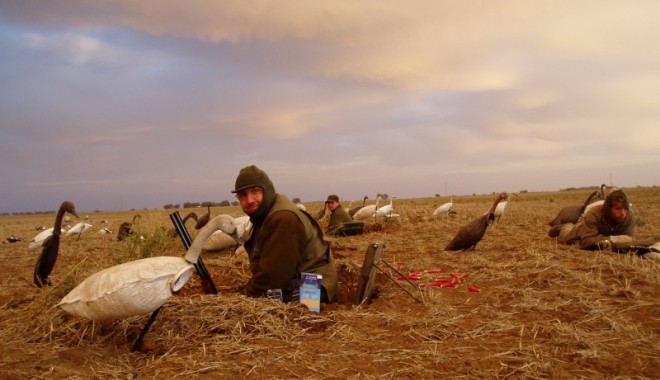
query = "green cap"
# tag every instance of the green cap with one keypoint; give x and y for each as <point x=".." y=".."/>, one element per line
<point x="333" y="198"/>
<point x="252" y="176"/>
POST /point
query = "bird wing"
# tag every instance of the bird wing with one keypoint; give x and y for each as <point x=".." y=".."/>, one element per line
<point x="46" y="261"/>
<point x="470" y="234"/>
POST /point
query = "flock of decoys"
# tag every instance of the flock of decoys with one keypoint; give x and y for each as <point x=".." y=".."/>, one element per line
<point x="466" y="238"/>
<point x="132" y="288"/>
<point x="118" y="291"/>
<point x="142" y="286"/>
<point x="364" y="212"/>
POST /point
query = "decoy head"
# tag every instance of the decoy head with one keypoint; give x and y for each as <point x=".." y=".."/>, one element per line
<point x="69" y="207"/>
<point x="222" y="222"/>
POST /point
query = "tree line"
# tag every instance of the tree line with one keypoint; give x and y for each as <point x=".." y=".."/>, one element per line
<point x="205" y="204"/>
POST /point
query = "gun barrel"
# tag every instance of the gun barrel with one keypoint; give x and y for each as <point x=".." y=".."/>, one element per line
<point x="207" y="281"/>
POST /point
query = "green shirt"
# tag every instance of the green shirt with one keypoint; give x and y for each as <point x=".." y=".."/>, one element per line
<point x="337" y="218"/>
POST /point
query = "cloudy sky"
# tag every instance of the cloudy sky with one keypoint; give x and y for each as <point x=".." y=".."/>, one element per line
<point x="137" y="104"/>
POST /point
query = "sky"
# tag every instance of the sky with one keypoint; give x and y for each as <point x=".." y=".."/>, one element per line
<point x="123" y="104"/>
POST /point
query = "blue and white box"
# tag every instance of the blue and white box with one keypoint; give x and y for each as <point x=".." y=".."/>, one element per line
<point x="310" y="291"/>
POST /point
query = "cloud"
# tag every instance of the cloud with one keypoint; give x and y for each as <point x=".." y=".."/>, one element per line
<point x="169" y="99"/>
<point x="76" y="48"/>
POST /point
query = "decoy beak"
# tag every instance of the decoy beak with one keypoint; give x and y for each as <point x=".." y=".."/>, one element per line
<point x="234" y="235"/>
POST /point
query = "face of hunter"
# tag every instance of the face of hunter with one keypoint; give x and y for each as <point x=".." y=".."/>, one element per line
<point x="250" y="199"/>
<point x="618" y="212"/>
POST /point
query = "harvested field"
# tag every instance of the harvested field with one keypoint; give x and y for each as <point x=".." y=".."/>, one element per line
<point x="543" y="310"/>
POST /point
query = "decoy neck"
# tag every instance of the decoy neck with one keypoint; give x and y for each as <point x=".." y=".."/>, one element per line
<point x="223" y="222"/>
<point x="190" y="215"/>
<point x="499" y="198"/>
<point x="594" y="194"/>
<point x="135" y="217"/>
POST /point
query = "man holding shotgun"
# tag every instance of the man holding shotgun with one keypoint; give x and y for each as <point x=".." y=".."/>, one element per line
<point x="285" y="240"/>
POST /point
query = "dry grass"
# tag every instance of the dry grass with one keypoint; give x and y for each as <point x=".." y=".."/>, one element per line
<point x="544" y="310"/>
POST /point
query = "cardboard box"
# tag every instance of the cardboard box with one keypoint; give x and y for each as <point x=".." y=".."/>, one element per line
<point x="310" y="291"/>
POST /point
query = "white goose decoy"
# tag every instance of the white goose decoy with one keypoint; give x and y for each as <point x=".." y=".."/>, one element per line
<point x="444" y="209"/>
<point x="78" y="229"/>
<point x="367" y="211"/>
<point x="141" y="286"/>
<point x="499" y="210"/>
<point x="590" y="205"/>
<point x="385" y="211"/>
<point x="38" y="240"/>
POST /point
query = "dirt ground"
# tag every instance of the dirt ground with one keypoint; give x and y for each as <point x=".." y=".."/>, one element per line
<point x="542" y="310"/>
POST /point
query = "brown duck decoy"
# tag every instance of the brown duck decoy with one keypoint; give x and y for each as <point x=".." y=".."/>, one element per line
<point x="319" y="215"/>
<point x="126" y="228"/>
<point x="470" y="234"/>
<point x="12" y="239"/>
<point x="51" y="247"/>
<point x="571" y="214"/>
<point x="202" y="220"/>
<point x="173" y="232"/>
<point x="353" y="210"/>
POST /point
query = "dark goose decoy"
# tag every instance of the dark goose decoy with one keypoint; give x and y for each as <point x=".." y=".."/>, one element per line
<point x="12" y="239"/>
<point x="353" y="210"/>
<point x="126" y="228"/>
<point x="173" y="232"/>
<point x="202" y="220"/>
<point x="571" y="214"/>
<point x="470" y="234"/>
<point x="319" y="215"/>
<point x="51" y="247"/>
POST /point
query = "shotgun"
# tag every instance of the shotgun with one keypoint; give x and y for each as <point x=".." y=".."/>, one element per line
<point x="207" y="282"/>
